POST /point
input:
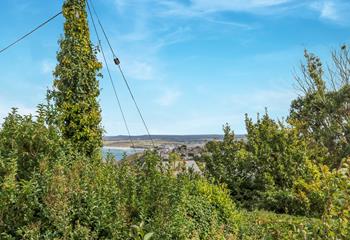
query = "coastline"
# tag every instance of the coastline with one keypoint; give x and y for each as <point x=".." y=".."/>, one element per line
<point x="123" y="148"/>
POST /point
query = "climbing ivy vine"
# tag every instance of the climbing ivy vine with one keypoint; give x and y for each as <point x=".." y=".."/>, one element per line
<point x="76" y="85"/>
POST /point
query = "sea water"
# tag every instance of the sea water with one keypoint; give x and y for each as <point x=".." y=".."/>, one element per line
<point x="119" y="152"/>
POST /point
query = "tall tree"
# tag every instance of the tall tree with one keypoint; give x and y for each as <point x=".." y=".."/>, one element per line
<point x="322" y="111"/>
<point x="76" y="87"/>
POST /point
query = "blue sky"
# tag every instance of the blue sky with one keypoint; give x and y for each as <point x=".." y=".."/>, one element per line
<point x="193" y="64"/>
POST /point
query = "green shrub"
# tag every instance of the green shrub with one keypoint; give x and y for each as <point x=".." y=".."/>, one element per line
<point x="337" y="215"/>
<point x="49" y="190"/>
<point x="321" y="112"/>
<point x="29" y="142"/>
<point x="185" y="206"/>
<point x="262" y="171"/>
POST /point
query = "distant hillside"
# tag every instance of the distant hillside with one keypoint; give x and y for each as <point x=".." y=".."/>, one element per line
<point x="171" y="138"/>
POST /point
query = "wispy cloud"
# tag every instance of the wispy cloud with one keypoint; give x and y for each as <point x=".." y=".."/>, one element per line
<point x="169" y="97"/>
<point x="173" y="36"/>
<point x="329" y="11"/>
<point x="140" y="70"/>
<point x="235" y="5"/>
<point x="149" y="32"/>
<point x="197" y="8"/>
<point x="332" y="10"/>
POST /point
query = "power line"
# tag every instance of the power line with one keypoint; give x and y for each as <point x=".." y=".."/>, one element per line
<point x="29" y="33"/>
<point x="117" y="62"/>
<point x="103" y="30"/>
<point x="136" y="105"/>
<point x="111" y="79"/>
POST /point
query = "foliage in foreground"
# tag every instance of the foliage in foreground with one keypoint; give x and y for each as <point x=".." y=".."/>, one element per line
<point x="267" y="225"/>
<point x="337" y="215"/>
<point x="334" y="223"/>
<point x="48" y="190"/>
<point x="262" y="171"/>
<point x="298" y="167"/>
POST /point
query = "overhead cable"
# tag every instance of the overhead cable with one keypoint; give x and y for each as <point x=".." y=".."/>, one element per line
<point x="110" y="77"/>
<point x="29" y="33"/>
<point x="117" y="62"/>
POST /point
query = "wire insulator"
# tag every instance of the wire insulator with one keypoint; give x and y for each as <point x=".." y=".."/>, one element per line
<point x="116" y="61"/>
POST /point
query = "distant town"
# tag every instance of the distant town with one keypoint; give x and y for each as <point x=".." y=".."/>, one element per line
<point x="188" y="147"/>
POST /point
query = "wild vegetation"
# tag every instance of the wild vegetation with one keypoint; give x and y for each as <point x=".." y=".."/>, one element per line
<point x="50" y="190"/>
<point x="299" y="166"/>
<point x="288" y="180"/>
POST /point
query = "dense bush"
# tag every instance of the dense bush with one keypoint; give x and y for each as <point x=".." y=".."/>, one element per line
<point x="262" y="171"/>
<point x="337" y="215"/>
<point x="266" y="225"/>
<point x="28" y="143"/>
<point x="48" y="190"/>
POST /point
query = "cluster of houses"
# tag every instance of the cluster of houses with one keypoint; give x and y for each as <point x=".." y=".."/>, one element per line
<point x="189" y="154"/>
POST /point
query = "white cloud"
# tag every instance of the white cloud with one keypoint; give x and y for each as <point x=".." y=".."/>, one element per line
<point x="169" y="97"/>
<point x="328" y="11"/>
<point x="199" y="7"/>
<point x="181" y="34"/>
<point x="333" y="10"/>
<point x="210" y="11"/>
<point x="235" y="5"/>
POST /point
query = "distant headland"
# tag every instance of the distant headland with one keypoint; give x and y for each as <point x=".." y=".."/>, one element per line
<point x="143" y="141"/>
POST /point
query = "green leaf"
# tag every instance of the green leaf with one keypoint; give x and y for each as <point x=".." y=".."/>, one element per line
<point x="148" y="236"/>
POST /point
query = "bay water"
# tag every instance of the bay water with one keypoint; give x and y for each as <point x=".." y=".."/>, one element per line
<point x="119" y="152"/>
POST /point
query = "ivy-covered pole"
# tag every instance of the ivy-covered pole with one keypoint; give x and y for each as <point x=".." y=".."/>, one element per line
<point x="76" y="87"/>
